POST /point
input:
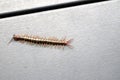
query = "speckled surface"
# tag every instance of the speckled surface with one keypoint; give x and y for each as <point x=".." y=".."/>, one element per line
<point x="13" y="5"/>
<point x="95" y="29"/>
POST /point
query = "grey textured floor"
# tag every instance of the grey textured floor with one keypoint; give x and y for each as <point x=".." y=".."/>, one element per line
<point x="95" y="29"/>
<point x="13" y="5"/>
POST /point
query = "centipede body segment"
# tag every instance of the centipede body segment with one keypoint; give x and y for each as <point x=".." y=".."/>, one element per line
<point x="43" y="41"/>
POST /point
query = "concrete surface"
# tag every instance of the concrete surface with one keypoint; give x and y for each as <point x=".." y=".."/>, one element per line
<point x="13" y="5"/>
<point x="95" y="29"/>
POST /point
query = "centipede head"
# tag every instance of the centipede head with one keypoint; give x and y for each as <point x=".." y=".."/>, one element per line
<point x="16" y="37"/>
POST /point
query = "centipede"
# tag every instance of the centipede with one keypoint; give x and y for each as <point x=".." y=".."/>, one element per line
<point x="42" y="41"/>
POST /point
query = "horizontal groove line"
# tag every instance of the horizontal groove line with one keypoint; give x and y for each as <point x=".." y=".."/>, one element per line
<point x="47" y="8"/>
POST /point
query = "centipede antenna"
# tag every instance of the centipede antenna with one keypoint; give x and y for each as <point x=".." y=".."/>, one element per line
<point x="10" y="41"/>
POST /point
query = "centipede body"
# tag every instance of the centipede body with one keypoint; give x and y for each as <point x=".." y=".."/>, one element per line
<point x="42" y="41"/>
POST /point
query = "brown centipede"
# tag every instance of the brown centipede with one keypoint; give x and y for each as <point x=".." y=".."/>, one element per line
<point x="42" y="41"/>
